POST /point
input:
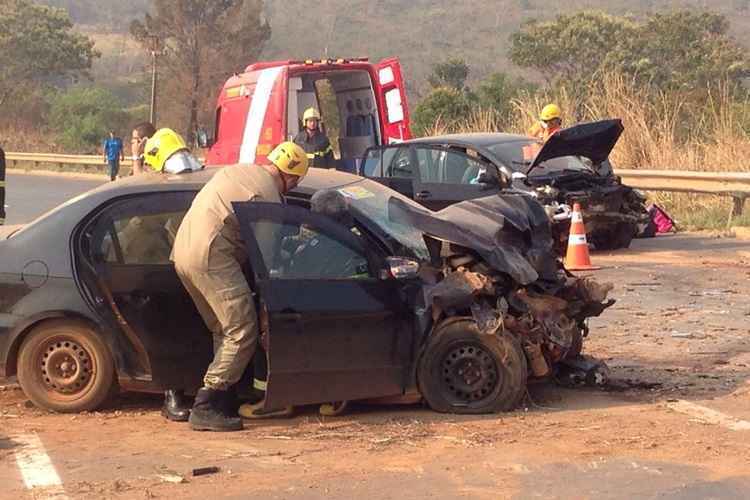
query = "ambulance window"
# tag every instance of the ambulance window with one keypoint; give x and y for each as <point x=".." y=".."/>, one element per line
<point x="394" y="106"/>
<point x="386" y="75"/>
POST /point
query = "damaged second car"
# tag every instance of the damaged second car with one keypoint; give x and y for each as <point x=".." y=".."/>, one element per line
<point x="463" y="307"/>
<point x="572" y="166"/>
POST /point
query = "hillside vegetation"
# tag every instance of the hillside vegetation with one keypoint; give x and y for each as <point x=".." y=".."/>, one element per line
<point x="420" y="32"/>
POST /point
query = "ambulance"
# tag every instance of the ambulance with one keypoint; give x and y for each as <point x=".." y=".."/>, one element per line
<point x="263" y="106"/>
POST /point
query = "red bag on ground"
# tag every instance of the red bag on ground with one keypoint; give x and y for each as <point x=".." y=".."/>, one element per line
<point x="664" y="223"/>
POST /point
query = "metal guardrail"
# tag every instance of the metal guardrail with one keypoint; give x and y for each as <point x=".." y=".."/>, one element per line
<point x="13" y="159"/>
<point x="734" y="184"/>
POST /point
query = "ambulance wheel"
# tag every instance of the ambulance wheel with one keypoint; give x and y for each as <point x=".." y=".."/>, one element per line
<point x="463" y="371"/>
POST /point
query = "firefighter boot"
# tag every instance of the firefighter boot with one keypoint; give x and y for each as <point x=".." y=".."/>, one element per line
<point x="175" y="408"/>
<point x="230" y="403"/>
<point x="208" y="412"/>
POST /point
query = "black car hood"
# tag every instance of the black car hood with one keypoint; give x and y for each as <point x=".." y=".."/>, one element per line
<point x="511" y="232"/>
<point x="593" y="140"/>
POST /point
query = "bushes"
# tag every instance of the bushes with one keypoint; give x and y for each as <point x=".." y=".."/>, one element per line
<point x="82" y="116"/>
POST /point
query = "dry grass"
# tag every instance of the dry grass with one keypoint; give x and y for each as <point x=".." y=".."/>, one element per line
<point x="26" y="138"/>
<point x="657" y="135"/>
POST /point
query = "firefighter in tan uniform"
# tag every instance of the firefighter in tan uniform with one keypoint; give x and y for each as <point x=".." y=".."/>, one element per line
<point x="208" y="255"/>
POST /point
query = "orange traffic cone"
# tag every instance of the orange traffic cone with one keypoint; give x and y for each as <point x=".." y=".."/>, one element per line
<point x="577" y="258"/>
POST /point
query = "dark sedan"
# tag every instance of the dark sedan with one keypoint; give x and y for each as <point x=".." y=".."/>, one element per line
<point x="89" y="297"/>
<point x="571" y="167"/>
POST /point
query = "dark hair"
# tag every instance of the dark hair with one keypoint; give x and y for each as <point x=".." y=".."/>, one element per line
<point x="332" y="203"/>
<point x="145" y="129"/>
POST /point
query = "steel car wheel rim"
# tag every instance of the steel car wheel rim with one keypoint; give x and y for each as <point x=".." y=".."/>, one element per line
<point x="66" y="368"/>
<point x="469" y="374"/>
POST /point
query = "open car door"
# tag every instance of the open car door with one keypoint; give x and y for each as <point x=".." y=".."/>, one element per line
<point x="394" y="112"/>
<point x="123" y="261"/>
<point x="335" y="330"/>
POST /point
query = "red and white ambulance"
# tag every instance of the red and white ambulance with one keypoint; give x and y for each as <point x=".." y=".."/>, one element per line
<point x="264" y="105"/>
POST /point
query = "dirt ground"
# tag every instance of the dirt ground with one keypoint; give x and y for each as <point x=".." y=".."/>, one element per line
<point x="675" y="422"/>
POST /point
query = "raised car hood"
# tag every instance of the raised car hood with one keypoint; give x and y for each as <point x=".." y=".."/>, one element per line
<point x="511" y="232"/>
<point x="593" y="140"/>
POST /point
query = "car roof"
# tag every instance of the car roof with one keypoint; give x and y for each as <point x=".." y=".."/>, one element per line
<point x="56" y="226"/>
<point x="480" y="139"/>
<point x="315" y="180"/>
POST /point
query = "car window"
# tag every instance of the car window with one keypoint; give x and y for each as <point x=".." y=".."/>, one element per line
<point x="139" y="230"/>
<point x="400" y="165"/>
<point x="448" y="167"/>
<point x="376" y="160"/>
<point x="292" y="250"/>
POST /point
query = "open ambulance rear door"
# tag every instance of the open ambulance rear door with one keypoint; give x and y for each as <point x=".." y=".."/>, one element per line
<point x="391" y="93"/>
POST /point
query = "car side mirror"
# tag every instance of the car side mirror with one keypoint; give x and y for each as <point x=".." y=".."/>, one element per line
<point x="518" y="176"/>
<point x="401" y="268"/>
<point x="204" y="141"/>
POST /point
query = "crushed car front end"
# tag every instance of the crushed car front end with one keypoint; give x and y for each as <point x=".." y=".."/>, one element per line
<point x="614" y="212"/>
<point x="496" y="309"/>
<point x="573" y="167"/>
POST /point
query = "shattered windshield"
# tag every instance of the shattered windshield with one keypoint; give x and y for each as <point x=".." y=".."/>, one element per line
<point x="371" y="200"/>
<point x="519" y="154"/>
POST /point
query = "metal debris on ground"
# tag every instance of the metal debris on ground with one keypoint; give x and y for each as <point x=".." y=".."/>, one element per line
<point x="202" y="471"/>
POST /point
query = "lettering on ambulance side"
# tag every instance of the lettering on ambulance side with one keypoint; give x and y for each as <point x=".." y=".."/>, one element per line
<point x="257" y="113"/>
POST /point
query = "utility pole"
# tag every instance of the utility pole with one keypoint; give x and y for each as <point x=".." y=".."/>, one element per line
<point x="156" y="51"/>
<point x="152" y="114"/>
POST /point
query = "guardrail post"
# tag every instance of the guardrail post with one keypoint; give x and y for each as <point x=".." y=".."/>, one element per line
<point x="738" y="204"/>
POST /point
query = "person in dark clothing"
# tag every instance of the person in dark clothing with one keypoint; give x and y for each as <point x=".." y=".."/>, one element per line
<point x="113" y="154"/>
<point x="314" y="141"/>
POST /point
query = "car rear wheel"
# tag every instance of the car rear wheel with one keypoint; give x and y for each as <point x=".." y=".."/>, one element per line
<point x="463" y="371"/>
<point x="64" y="366"/>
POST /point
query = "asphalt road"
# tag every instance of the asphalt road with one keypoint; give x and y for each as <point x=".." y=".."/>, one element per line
<point x="27" y="196"/>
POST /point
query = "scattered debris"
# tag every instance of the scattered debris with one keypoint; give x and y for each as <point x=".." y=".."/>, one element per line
<point x="203" y="471"/>
<point x="682" y="335"/>
<point x="621" y="385"/>
<point x="173" y="478"/>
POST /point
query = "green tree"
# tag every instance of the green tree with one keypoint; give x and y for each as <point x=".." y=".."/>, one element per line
<point x="38" y="49"/>
<point x="443" y="105"/>
<point x="451" y="73"/>
<point x="572" y="47"/>
<point x="82" y="117"/>
<point x="682" y="50"/>
<point x="687" y="50"/>
<point x="205" y="41"/>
